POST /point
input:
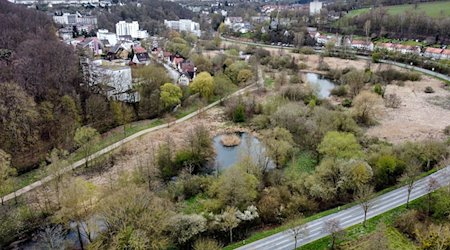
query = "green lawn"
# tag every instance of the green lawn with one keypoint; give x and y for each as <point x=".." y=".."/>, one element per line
<point x="433" y="9"/>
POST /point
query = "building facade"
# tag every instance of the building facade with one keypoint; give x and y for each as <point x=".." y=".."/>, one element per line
<point x="185" y="25"/>
<point x="315" y="7"/>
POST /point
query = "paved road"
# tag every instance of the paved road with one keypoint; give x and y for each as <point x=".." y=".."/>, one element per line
<point x="120" y="143"/>
<point x="351" y="216"/>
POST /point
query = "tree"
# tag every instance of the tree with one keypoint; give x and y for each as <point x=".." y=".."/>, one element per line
<point x="232" y="70"/>
<point x="184" y="227"/>
<point x="123" y="114"/>
<point x="223" y="85"/>
<point x="6" y="172"/>
<point x="76" y="204"/>
<point x="165" y="159"/>
<point x="244" y="75"/>
<point x="202" y="63"/>
<point x="366" y="107"/>
<point x="85" y="138"/>
<point x="134" y="217"/>
<point x="279" y="144"/>
<point x="199" y="145"/>
<point x="432" y="185"/>
<point x="170" y="95"/>
<point x="51" y="237"/>
<point x="18" y="122"/>
<point x="334" y="229"/>
<point x="56" y="169"/>
<point x="235" y="187"/>
<point x="355" y="80"/>
<point x="367" y="28"/>
<point x="363" y="197"/>
<point x="412" y="170"/>
<point x="206" y="244"/>
<point x="229" y="220"/>
<point x="203" y="84"/>
<point x="298" y="232"/>
<point x="150" y="78"/>
<point x="340" y="145"/>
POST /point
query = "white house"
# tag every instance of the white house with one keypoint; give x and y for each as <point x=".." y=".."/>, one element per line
<point x="362" y="45"/>
<point x="115" y="80"/>
<point x="315" y="7"/>
<point x="446" y="54"/>
<point x="435" y="53"/>
<point x="104" y="34"/>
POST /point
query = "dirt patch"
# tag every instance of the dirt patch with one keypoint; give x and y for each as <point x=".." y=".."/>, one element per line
<point x="420" y="115"/>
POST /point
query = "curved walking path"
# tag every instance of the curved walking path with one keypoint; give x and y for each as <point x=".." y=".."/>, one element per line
<point x="351" y="216"/>
<point x="116" y="145"/>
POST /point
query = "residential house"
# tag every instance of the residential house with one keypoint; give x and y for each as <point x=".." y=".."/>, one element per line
<point x="435" y="53"/>
<point x="324" y="39"/>
<point x="177" y="60"/>
<point x="114" y="80"/>
<point x="65" y="33"/>
<point x="93" y="44"/>
<point x="385" y="46"/>
<point x="362" y="45"/>
<point x="140" y="56"/>
<point x="446" y="54"/>
<point x="405" y="49"/>
<point x="104" y="34"/>
<point x="184" y="80"/>
<point x="189" y="69"/>
<point x="232" y="20"/>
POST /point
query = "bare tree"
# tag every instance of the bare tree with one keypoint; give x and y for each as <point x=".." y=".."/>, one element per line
<point x="298" y="232"/>
<point x="51" y="237"/>
<point x="334" y="228"/>
<point x="363" y="197"/>
<point x="411" y="172"/>
<point x="432" y="185"/>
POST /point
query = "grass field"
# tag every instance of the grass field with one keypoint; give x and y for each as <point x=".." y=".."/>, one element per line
<point x="433" y="9"/>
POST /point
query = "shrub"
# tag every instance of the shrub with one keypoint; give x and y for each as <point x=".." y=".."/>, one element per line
<point x="323" y="66"/>
<point x="378" y="89"/>
<point x="376" y="56"/>
<point x="294" y="79"/>
<point x="347" y="103"/>
<point x="261" y="121"/>
<point x="306" y="50"/>
<point x="297" y="93"/>
<point x="392" y="101"/>
<point x="447" y="130"/>
<point x="239" y="113"/>
<point x="302" y="66"/>
<point x="407" y="221"/>
<point x="339" y="91"/>
<point x="429" y="90"/>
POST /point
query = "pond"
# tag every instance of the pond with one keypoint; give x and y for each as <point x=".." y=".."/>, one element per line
<point x="323" y="85"/>
<point x="249" y="145"/>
